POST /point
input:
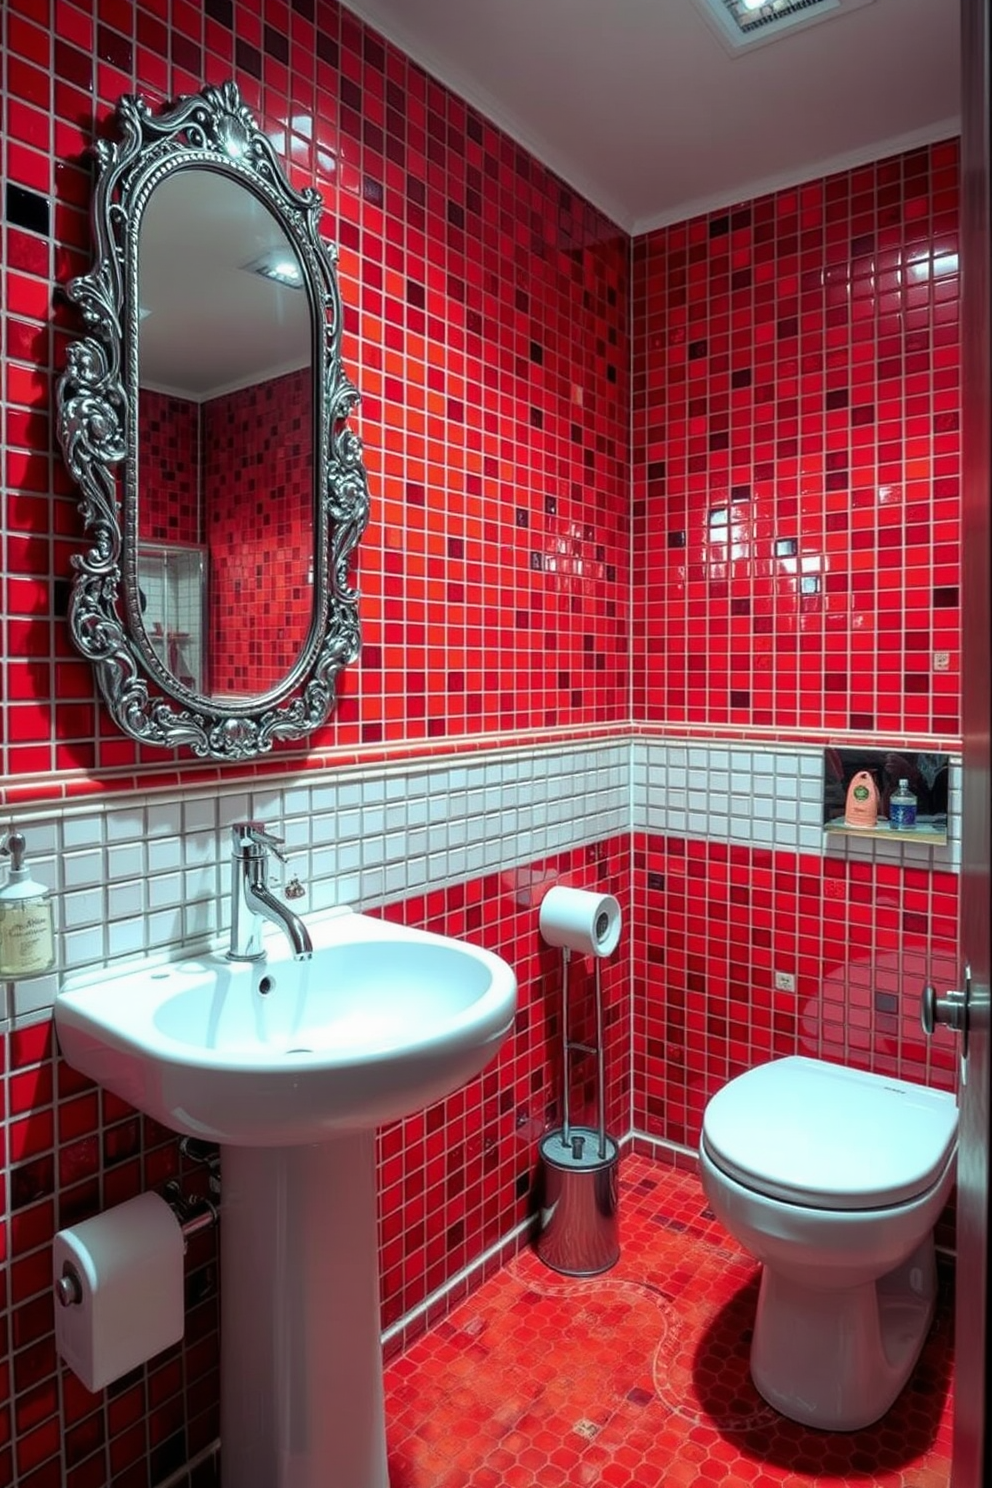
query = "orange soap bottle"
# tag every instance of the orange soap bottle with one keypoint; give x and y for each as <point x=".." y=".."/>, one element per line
<point x="861" y="809"/>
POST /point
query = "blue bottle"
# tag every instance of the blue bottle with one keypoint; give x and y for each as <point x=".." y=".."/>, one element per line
<point x="902" y="808"/>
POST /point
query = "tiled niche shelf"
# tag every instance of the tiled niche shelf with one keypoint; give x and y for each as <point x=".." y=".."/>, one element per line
<point x="927" y="774"/>
<point x="931" y="832"/>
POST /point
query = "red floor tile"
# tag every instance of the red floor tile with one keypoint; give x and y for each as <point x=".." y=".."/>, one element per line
<point x="638" y="1377"/>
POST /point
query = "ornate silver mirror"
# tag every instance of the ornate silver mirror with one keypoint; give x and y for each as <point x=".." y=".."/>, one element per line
<point x="204" y="417"/>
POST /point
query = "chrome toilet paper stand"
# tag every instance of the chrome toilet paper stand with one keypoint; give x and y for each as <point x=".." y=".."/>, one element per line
<point x="578" y="1233"/>
<point x="572" y="1046"/>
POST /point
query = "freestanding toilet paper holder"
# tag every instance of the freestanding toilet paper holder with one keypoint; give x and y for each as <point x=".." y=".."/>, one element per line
<point x="578" y="1233"/>
<point x="570" y="1046"/>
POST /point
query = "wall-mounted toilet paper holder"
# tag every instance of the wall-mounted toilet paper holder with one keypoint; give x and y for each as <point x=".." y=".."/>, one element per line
<point x="192" y="1216"/>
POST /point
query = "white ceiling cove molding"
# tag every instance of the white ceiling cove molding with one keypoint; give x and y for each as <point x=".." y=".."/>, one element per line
<point x="944" y="129"/>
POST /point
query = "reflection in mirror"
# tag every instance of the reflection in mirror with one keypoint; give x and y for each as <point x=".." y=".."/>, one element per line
<point x="204" y="417"/>
<point x="171" y="594"/>
<point x="225" y="424"/>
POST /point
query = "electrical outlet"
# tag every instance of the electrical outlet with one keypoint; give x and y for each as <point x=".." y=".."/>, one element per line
<point x="941" y="661"/>
<point x="785" y="981"/>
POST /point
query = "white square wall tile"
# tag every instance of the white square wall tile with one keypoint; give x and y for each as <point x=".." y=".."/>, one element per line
<point x="199" y="849"/>
<point x="126" y="860"/>
<point x="296" y="833"/>
<point x="165" y="889"/>
<point x="163" y="819"/>
<point x="296" y="801"/>
<point x="164" y="854"/>
<point x="200" y="883"/>
<point x="125" y="900"/>
<point x="42" y="839"/>
<point x="126" y="938"/>
<point x="32" y="995"/>
<point x="164" y="928"/>
<point x="78" y="832"/>
<point x="200" y="920"/>
<point x="199" y="814"/>
<point x="83" y="947"/>
<point x="125" y="824"/>
<point x="83" y="869"/>
<point x="323" y="798"/>
<point x="267" y="806"/>
<point x="82" y="907"/>
<point x="232" y="808"/>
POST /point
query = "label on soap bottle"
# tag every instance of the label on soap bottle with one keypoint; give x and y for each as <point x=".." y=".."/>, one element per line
<point x="27" y="944"/>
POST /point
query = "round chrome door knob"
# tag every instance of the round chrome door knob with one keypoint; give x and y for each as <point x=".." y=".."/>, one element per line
<point x="950" y="1010"/>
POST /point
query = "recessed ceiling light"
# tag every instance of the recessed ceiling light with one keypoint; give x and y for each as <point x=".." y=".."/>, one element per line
<point x="748" y="23"/>
<point x="278" y="265"/>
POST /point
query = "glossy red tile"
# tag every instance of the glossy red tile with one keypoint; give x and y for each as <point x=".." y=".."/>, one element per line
<point x="795" y="439"/>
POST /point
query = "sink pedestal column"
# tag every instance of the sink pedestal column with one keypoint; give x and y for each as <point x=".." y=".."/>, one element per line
<point x="301" y="1362"/>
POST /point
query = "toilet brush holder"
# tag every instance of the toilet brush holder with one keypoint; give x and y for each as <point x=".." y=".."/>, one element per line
<point x="579" y="1230"/>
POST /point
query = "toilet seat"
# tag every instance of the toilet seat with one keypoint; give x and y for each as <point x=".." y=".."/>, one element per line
<point x="828" y="1137"/>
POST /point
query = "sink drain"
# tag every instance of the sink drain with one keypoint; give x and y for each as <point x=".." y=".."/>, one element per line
<point x="300" y="1050"/>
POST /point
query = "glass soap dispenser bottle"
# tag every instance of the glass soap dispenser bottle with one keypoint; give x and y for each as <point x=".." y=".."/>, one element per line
<point x="27" y="939"/>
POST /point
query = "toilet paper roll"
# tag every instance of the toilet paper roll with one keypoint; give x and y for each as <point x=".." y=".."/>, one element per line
<point x="580" y="920"/>
<point x="128" y="1265"/>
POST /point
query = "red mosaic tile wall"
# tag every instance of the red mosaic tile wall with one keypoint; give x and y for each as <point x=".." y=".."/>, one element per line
<point x="796" y="458"/>
<point x="259" y="531"/>
<point x="713" y="923"/>
<point x="168" y="462"/>
<point x="453" y="1180"/>
<point x="486" y="314"/>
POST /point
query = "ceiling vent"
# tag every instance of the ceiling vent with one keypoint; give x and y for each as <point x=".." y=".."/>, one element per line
<point x="742" y="24"/>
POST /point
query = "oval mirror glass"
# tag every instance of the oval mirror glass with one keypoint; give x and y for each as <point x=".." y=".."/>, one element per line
<point x="225" y="434"/>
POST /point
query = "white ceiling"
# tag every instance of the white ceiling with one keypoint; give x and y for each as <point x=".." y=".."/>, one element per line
<point x="640" y="106"/>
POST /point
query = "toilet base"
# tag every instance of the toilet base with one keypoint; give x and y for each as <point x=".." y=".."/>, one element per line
<point x="837" y="1358"/>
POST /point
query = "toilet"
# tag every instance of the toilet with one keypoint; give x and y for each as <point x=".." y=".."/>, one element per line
<point x="834" y="1179"/>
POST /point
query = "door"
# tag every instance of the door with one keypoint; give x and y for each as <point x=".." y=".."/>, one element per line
<point x="970" y="1468"/>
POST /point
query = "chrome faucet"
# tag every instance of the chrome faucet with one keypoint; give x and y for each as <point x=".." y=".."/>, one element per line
<point x="252" y="900"/>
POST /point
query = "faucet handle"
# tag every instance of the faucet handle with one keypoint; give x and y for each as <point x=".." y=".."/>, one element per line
<point x="249" y="834"/>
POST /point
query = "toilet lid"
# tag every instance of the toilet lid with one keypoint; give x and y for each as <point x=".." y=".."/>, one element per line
<point x="832" y="1138"/>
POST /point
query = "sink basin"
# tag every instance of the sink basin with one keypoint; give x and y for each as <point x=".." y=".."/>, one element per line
<point x="382" y="1021"/>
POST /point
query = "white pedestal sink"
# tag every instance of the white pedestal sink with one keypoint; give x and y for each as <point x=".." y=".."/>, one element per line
<point x="291" y="1065"/>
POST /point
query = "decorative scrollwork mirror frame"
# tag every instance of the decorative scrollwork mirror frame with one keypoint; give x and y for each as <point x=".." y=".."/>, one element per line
<point x="96" y="398"/>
